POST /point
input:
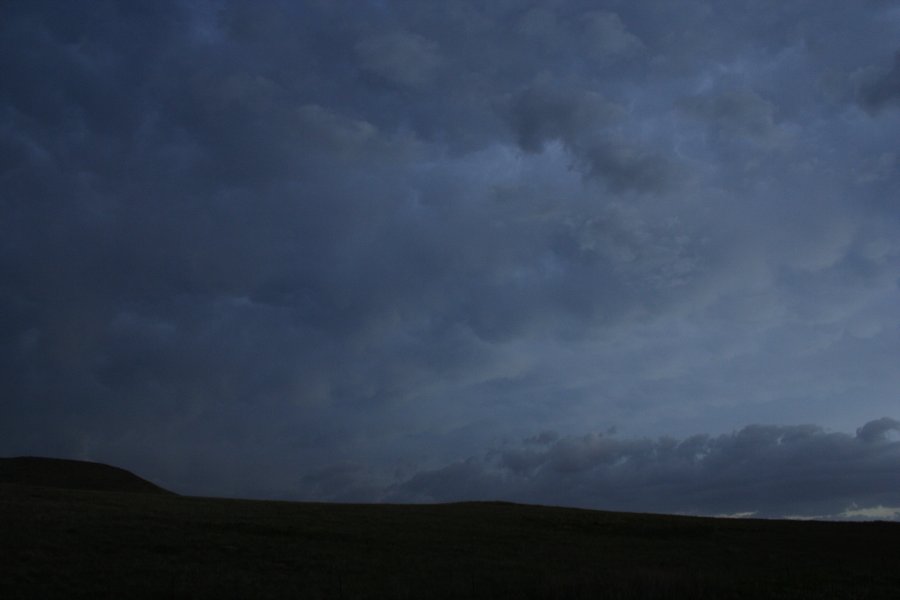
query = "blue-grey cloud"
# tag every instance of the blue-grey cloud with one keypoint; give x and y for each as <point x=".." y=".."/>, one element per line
<point x="881" y="87"/>
<point x="768" y="471"/>
<point x="244" y="245"/>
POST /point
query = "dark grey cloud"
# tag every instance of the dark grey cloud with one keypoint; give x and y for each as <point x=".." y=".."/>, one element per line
<point x="543" y="114"/>
<point x="400" y="58"/>
<point x="876" y="431"/>
<point x="880" y="88"/>
<point x="608" y="36"/>
<point x="586" y="124"/>
<point x="248" y="247"/>
<point x="734" y="112"/>
<point x="764" y="470"/>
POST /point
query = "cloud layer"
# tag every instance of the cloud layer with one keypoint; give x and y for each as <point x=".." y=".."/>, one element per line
<point x="765" y="471"/>
<point x="245" y="246"/>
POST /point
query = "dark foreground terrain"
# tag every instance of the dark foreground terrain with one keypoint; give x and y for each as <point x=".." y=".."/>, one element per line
<point x="73" y="474"/>
<point x="58" y="542"/>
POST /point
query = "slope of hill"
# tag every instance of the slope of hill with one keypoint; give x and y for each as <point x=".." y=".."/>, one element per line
<point x="61" y="543"/>
<point x="72" y="474"/>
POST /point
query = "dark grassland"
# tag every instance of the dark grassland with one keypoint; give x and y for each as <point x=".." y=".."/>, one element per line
<point x="79" y="543"/>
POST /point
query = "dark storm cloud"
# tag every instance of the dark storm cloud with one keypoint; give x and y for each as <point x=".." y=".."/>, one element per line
<point x="881" y="87"/>
<point x="585" y="122"/>
<point x="402" y="58"/>
<point x="769" y="471"/>
<point x="734" y="112"/>
<point x="876" y="431"/>
<point x="252" y="246"/>
<point x="545" y="113"/>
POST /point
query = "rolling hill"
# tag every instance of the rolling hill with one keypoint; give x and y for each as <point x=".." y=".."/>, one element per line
<point x="73" y="475"/>
<point x="59" y="542"/>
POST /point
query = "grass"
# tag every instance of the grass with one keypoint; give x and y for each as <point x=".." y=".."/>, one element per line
<point x="81" y="543"/>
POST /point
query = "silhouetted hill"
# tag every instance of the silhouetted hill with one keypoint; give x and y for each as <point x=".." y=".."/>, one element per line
<point x="71" y="543"/>
<point x="73" y="475"/>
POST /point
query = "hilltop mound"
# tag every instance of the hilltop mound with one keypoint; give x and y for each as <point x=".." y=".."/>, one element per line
<point x="73" y="475"/>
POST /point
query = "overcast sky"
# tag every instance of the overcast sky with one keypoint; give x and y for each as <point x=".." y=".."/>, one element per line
<point x="638" y="255"/>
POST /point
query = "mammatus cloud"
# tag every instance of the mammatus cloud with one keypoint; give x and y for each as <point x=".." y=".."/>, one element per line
<point x="586" y="124"/>
<point x="247" y="247"/>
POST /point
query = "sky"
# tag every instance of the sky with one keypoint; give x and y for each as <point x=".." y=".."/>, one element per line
<point x="628" y="255"/>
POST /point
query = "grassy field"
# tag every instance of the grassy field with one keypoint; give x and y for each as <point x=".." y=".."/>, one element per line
<point x="77" y="543"/>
